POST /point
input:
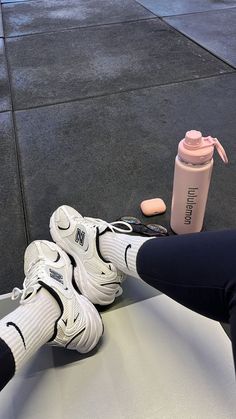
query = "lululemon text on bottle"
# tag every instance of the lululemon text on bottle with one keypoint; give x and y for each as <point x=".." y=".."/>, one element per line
<point x="190" y="202"/>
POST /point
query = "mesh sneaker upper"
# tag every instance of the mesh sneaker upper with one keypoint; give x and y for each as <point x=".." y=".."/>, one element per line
<point x="97" y="279"/>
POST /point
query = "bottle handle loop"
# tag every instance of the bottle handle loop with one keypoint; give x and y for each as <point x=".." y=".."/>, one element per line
<point x="220" y="149"/>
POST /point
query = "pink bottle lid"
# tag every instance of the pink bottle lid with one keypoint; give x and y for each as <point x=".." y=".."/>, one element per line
<point x="196" y="149"/>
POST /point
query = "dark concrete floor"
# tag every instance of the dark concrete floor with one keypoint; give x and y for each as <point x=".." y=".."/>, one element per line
<point x="94" y="98"/>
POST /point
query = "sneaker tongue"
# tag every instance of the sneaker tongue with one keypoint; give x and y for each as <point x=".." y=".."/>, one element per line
<point x="102" y="228"/>
<point x="63" y="219"/>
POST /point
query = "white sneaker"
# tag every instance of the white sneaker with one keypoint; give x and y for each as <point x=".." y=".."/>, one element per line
<point x="96" y="278"/>
<point x="79" y="326"/>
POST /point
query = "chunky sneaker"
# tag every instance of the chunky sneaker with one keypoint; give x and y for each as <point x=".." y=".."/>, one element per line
<point x="79" y="326"/>
<point x="96" y="278"/>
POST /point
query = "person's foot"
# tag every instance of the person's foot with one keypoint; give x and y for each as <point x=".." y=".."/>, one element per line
<point x="79" y="325"/>
<point x="96" y="278"/>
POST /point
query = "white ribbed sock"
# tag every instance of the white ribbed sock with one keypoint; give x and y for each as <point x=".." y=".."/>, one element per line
<point x="31" y="325"/>
<point x="122" y="250"/>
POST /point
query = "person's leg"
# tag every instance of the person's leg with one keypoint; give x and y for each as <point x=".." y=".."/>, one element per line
<point x="232" y="321"/>
<point x="24" y="331"/>
<point x="51" y="310"/>
<point x="197" y="270"/>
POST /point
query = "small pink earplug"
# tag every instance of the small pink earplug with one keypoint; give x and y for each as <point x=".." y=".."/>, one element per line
<point x="153" y="206"/>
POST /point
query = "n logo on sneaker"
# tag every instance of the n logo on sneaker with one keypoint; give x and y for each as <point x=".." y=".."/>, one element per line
<point x="56" y="275"/>
<point x="80" y="236"/>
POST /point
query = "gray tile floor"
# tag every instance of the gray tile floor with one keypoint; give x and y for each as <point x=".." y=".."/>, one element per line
<point x="94" y="97"/>
<point x="204" y="29"/>
<point x="182" y="7"/>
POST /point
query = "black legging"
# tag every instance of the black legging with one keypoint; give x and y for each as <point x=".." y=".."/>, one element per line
<point x="197" y="270"/>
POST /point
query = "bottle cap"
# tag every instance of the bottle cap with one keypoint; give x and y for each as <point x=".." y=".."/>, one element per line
<point x="196" y="149"/>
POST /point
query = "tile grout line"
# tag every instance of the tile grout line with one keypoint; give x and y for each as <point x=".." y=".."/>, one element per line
<point x="1" y="21"/>
<point x="135" y="89"/>
<point x="148" y="10"/>
<point x="200" y="12"/>
<point x="17" y="2"/>
<point x="18" y="163"/>
<point x="82" y="27"/>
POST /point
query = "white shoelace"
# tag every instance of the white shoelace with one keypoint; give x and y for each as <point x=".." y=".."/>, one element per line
<point x="112" y="226"/>
<point x="30" y="284"/>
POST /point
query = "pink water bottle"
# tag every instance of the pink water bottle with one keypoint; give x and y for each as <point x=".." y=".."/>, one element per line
<point x="193" y="168"/>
